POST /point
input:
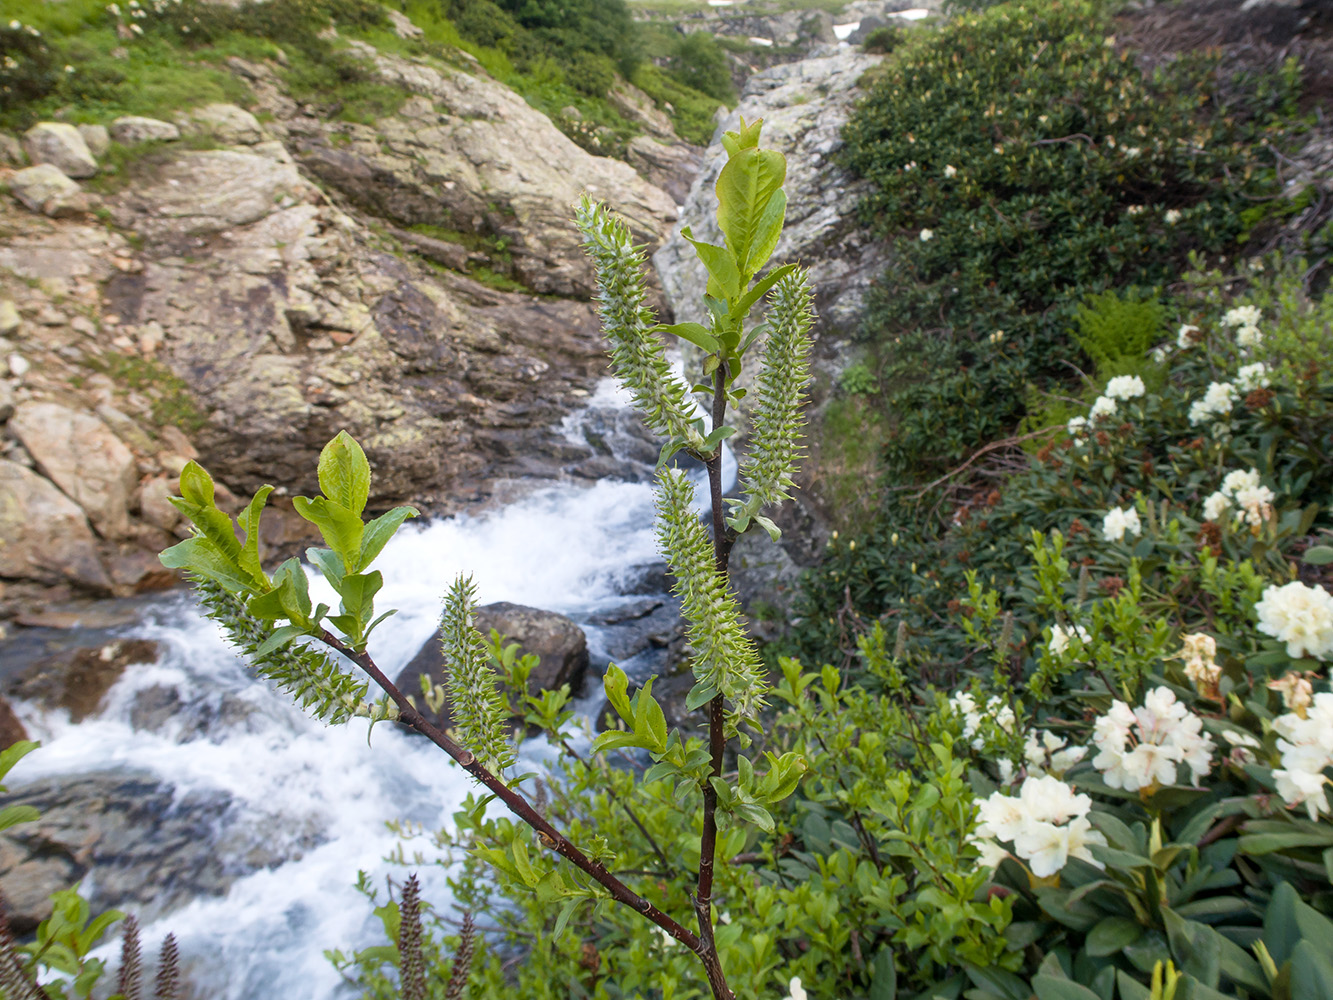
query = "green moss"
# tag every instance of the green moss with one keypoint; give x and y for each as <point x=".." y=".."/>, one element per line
<point x="173" y="404"/>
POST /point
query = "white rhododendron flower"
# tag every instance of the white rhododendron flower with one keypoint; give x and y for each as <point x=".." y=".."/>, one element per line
<point x="1251" y="377"/>
<point x="950" y="170"/>
<point x="1060" y="637"/>
<point x="1296" y="689"/>
<point x="1240" y="480"/>
<point x="1117" y="523"/>
<point x="1242" y="316"/>
<point x="1256" y="504"/>
<point x="1047" y="753"/>
<point x="1046" y="823"/>
<point x="1171" y="216"/>
<point x="1103" y="406"/>
<point x="1199" y="654"/>
<point x="1300" y="616"/>
<point x="974" y="717"/>
<point x="1249" y="336"/>
<point x="1306" y="745"/>
<point x="1140" y="749"/>
<point x="927" y="235"/>
<point x="1125" y="387"/>
<point x="1185" y="336"/>
<point x="1215" y="506"/>
<point x="1217" y="402"/>
<point x="1077" y="426"/>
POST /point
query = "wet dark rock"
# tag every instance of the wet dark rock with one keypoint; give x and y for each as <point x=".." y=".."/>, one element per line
<point x="152" y="848"/>
<point x="11" y="727"/>
<point x="650" y="623"/>
<point x="76" y="681"/>
<point x="557" y="640"/>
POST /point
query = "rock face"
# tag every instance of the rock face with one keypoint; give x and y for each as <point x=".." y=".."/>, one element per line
<point x="469" y="154"/>
<point x="224" y="122"/>
<point x="804" y="106"/>
<point x="61" y="146"/>
<point x="557" y="640"/>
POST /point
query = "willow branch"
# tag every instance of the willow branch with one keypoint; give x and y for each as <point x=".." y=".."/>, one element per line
<point x="519" y="806"/>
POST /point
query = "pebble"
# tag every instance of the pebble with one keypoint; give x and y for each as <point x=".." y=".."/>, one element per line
<point x="19" y="365"/>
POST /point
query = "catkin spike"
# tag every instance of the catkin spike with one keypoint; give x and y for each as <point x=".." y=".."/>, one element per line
<point x="412" y="966"/>
<point x="14" y="981"/>
<point x="168" y="971"/>
<point x="766" y="473"/>
<point x="315" y="681"/>
<point x="636" y="355"/>
<point x="474" y="702"/>
<point x="130" y="981"/>
<point x="724" y="656"/>
<point x="467" y="949"/>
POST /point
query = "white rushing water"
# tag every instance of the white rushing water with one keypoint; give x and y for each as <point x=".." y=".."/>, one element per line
<point x="563" y="547"/>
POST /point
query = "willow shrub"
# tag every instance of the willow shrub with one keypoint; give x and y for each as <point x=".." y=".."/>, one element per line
<point x="1019" y="160"/>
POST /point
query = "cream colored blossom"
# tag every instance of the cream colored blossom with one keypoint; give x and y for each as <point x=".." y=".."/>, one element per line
<point x="1117" y="523"/>
<point x="1299" y="615"/>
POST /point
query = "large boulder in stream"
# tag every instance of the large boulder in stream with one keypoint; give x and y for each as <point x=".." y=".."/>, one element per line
<point x="557" y="640"/>
<point x="77" y="680"/>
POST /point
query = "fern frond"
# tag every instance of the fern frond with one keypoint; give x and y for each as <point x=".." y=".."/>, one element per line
<point x="724" y="657"/>
<point x="315" y="681"/>
<point x="411" y="964"/>
<point x="168" y="985"/>
<point x="130" y="982"/>
<point x="474" y="702"/>
<point x="766" y="473"/>
<point x="636" y="355"/>
<point x="467" y="950"/>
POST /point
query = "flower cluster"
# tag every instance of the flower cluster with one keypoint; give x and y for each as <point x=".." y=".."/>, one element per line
<point x="1045" y="822"/>
<point x="1306" y="744"/>
<point x="1251" y="377"/>
<point x="1117" y="523"/>
<point x="1060" y="637"/>
<point x="1299" y="615"/>
<point x="1200" y="656"/>
<point x="1216" y="404"/>
<point x="1245" y="321"/>
<point x="1140" y="749"/>
<point x="1251" y="499"/>
<point x="974" y="717"/>
<point x="1046" y="753"/>
<point x="1125" y="387"/>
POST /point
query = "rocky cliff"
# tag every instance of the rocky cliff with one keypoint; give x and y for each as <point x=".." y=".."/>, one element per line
<point x="244" y="284"/>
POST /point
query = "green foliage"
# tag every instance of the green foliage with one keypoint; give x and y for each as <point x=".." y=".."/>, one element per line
<point x="28" y="69"/>
<point x="1117" y="332"/>
<point x="698" y="61"/>
<point x="883" y="40"/>
<point x="1018" y="164"/>
<point x="12" y="815"/>
<point x="475" y="705"/>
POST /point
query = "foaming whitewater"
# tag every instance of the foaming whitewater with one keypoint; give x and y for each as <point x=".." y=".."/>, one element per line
<point x="320" y="797"/>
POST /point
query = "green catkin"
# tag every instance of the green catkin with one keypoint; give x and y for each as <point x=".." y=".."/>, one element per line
<point x="475" y="704"/>
<point x="315" y="681"/>
<point x="15" y="983"/>
<point x="766" y="473"/>
<point x="636" y="355"/>
<point x="724" y="657"/>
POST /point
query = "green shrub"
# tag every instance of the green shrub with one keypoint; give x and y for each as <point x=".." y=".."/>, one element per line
<point x="1018" y="163"/>
<point x="698" y="61"/>
<point x="28" y="68"/>
<point x="1117" y="332"/>
<point x="883" y="40"/>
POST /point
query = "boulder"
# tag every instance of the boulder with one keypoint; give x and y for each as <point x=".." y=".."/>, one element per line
<point x="132" y="130"/>
<point x="45" y="189"/>
<point x="672" y="166"/>
<point x="81" y="455"/>
<point x="557" y="640"/>
<point x="62" y="147"/>
<point x="11" y="151"/>
<point x="44" y="536"/>
<point x="226" y="123"/>
<point x="96" y="137"/>
<point x="77" y="680"/>
<point x="9" y="317"/>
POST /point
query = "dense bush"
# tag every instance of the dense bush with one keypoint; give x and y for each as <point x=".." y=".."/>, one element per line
<point x="698" y="61"/>
<point x="1019" y="161"/>
<point x="1093" y="752"/>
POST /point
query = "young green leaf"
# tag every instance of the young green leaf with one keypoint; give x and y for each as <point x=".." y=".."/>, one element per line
<point x="344" y="473"/>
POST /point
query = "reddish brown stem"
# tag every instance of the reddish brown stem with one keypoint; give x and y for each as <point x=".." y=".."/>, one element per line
<point x="549" y="835"/>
